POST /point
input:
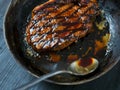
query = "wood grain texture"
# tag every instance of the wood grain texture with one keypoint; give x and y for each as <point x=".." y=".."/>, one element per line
<point x="13" y="75"/>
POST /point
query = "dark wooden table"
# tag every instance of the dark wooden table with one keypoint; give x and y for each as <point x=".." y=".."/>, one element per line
<point x="13" y="75"/>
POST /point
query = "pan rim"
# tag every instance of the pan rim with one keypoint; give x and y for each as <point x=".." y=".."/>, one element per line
<point x="48" y="80"/>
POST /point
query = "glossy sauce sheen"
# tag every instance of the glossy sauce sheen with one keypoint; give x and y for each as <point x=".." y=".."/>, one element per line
<point x="55" y="57"/>
<point x="55" y="26"/>
<point x="72" y="57"/>
<point x="85" y="62"/>
<point x="92" y="45"/>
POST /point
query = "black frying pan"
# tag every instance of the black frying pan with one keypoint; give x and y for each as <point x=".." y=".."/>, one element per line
<point x="16" y="21"/>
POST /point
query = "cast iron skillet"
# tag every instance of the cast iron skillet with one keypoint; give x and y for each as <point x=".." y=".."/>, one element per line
<point x="14" y="29"/>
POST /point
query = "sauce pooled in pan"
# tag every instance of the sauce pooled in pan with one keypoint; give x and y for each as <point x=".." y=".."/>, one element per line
<point x="67" y="31"/>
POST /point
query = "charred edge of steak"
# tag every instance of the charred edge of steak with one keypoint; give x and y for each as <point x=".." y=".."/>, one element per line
<point x="82" y="2"/>
<point x="66" y="1"/>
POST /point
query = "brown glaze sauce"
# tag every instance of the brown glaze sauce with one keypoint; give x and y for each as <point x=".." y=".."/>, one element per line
<point x="87" y="46"/>
<point x="85" y="62"/>
<point x="42" y="32"/>
<point x="100" y="44"/>
<point x="55" y="57"/>
<point x="72" y="57"/>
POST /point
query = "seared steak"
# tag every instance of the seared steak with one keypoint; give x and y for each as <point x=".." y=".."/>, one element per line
<point x="54" y="26"/>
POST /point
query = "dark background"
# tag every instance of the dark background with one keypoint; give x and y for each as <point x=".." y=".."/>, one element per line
<point x="13" y="75"/>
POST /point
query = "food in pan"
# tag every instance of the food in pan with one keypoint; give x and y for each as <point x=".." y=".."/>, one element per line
<point x="56" y="25"/>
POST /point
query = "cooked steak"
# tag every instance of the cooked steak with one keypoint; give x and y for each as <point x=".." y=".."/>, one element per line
<point x="54" y="26"/>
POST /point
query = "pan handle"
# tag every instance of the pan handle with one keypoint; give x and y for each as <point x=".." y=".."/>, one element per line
<point x="32" y="83"/>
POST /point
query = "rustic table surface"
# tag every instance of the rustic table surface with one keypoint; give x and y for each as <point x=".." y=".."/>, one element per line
<point x="13" y="75"/>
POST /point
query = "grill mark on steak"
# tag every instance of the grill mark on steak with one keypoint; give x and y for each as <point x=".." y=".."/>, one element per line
<point x="66" y="23"/>
<point x="62" y="31"/>
<point x="56" y="28"/>
<point x="32" y="25"/>
<point x="61" y="13"/>
<point x="70" y="6"/>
